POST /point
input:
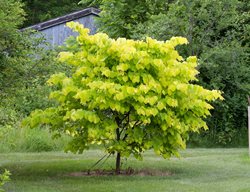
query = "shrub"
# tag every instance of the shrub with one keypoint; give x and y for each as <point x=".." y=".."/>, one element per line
<point x="4" y="178"/>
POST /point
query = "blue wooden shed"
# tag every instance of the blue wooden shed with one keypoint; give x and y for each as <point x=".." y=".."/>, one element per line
<point x="54" y="30"/>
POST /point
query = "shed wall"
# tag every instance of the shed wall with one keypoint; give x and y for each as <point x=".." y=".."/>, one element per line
<point x="57" y="34"/>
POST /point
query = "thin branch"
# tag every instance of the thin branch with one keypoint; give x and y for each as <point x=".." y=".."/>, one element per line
<point x="127" y="123"/>
<point x="126" y="115"/>
<point x="136" y="124"/>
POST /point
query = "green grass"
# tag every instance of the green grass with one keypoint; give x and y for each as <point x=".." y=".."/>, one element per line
<point x="17" y="139"/>
<point x="198" y="170"/>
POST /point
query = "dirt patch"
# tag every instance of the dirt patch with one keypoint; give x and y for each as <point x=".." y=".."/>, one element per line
<point x="127" y="172"/>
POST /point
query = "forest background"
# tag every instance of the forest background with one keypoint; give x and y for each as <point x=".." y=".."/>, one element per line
<point x="218" y="34"/>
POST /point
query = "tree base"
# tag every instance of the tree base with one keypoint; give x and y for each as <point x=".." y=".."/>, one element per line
<point x="126" y="172"/>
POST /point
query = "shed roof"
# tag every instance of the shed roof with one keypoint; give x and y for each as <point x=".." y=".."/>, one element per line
<point x="65" y="18"/>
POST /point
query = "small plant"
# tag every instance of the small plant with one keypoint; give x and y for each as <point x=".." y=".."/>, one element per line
<point x="4" y="178"/>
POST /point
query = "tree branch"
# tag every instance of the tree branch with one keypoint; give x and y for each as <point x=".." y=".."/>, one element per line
<point x="136" y="124"/>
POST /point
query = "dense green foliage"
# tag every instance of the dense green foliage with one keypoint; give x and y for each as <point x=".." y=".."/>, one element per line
<point x="11" y="16"/>
<point x="25" y="64"/>
<point x="40" y="10"/>
<point x="129" y="96"/>
<point x="4" y="178"/>
<point x="120" y="18"/>
<point x="218" y="33"/>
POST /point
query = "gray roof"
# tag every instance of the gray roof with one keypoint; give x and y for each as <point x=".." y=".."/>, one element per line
<point x="64" y="19"/>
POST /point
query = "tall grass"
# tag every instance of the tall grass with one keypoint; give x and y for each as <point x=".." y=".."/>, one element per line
<point x="17" y="139"/>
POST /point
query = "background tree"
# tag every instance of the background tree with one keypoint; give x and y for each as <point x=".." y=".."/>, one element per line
<point x="218" y="32"/>
<point x="121" y="18"/>
<point x="11" y="16"/>
<point x="129" y="96"/>
<point x="25" y="65"/>
<point x="40" y="10"/>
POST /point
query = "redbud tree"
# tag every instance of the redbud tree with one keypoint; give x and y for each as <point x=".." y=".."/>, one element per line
<point x="128" y="96"/>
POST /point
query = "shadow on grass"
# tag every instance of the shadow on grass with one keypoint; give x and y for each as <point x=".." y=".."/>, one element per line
<point x="65" y="169"/>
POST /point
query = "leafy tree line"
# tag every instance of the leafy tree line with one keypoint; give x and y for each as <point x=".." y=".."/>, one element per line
<point x="24" y="67"/>
<point x="40" y="10"/>
<point x="218" y="33"/>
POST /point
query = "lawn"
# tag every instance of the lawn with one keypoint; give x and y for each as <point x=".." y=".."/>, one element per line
<point x="198" y="170"/>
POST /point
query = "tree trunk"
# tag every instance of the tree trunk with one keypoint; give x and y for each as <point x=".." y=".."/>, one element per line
<point x="118" y="163"/>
